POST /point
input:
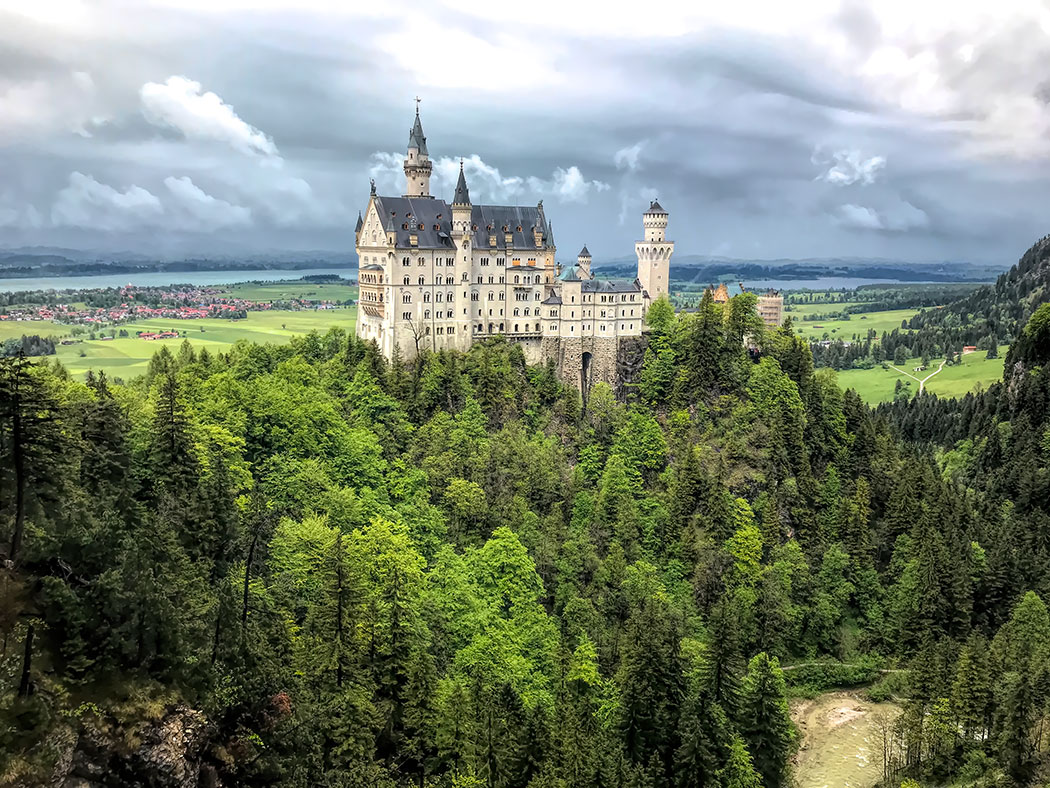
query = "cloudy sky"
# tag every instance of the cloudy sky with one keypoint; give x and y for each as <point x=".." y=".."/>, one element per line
<point x="897" y="129"/>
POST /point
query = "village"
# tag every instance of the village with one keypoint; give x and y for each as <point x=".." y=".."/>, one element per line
<point x="132" y="303"/>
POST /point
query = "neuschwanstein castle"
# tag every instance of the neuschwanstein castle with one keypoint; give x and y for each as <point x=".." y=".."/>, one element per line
<point x="439" y="275"/>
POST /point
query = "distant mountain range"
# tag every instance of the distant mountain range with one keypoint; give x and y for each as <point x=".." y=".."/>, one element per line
<point x="43" y="261"/>
<point x="699" y="269"/>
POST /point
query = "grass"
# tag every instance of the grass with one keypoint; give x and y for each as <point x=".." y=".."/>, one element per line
<point x="128" y="357"/>
<point x="854" y="328"/>
<point x="282" y="291"/>
<point x="878" y="385"/>
<point x="42" y="328"/>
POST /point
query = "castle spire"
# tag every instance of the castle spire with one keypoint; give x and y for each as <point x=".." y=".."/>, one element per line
<point x="462" y="196"/>
<point x="417" y="161"/>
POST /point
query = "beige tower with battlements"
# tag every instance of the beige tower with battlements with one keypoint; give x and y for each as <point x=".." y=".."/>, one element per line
<point x="654" y="253"/>
<point x="417" y="162"/>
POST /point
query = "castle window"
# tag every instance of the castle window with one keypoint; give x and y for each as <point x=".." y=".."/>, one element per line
<point x="464" y="276"/>
<point x="526" y="311"/>
<point x="490" y="295"/>
<point x="515" y="328"/>
<point x="421" y="227"/>
<point x="537" y="326"/>
<point x="480" y="278"/>
<point x="500" y="326"/>
<point x="406" y="298"/>
<point x="405" y="261"/>
<point x="421" y="280"/>
<point x="516" y="312"/>
<point x="438" y="279"/>
<point x="406" y="280"/>
<point x="501" y="296"/>
<point x="501" y="261"/>
<point x="426" y="315"/>
<point x="449" y="295"/>
<point x="422" y="261"/>
<point x="475" y="296"/>
<point x="426" y="298"/>
<point x="439" y="297"/>
<point x="406" y="315"/>
<point x="490" y="280"/>
<point x="515" y="279"/>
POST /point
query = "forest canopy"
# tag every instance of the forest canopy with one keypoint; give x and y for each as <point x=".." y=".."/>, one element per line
<point x="328" y="569"/>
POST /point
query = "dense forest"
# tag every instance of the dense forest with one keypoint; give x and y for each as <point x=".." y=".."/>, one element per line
<point x="301" y="565"/>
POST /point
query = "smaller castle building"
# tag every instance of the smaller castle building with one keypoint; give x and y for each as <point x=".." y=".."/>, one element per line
<point x="770" y="306"/>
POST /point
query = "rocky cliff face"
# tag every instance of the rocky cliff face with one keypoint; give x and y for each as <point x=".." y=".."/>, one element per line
<point x="170" y="754"/>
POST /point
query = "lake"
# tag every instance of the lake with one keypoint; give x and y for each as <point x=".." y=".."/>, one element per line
<point x="162" y="278"/>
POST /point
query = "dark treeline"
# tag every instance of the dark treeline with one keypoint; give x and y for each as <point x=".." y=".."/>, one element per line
<point x="28" y="345"/>
<point x="454" y="572"/>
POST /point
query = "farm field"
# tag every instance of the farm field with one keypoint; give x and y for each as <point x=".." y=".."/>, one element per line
<point x="877" y="384"/>
<point x="128" y="357"/>
<point x="856" y="326"/>
<point x="42" y="328"/>
<point x="282" y="291"/>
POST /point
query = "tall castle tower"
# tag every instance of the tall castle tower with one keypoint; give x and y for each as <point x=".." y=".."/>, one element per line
<point x="417" y="162"/>
<point x="654" y="253"/>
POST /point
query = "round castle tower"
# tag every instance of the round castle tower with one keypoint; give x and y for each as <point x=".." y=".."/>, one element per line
<point x="654" y="253"/>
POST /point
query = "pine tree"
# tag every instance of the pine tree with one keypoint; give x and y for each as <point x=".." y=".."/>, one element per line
<point x="766" y="721"/>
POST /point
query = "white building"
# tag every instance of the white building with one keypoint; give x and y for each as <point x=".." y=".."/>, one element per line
<point x="440" y="275"/>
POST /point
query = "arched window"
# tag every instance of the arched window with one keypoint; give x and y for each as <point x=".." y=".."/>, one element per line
<point x="490" y="295"/>
<point x="422" y="261"/>
<point x="515" y="328"/>
<point x="439" y="296"/>
<point x="438" y="280"/>
<point x="464" y="276"/>
<point x="449" y="296"/>
<point x="426" y="298"/>
<point x="406" y="280"/>
<point x="516" y="312"/>
<point x="405" y="261"/>
<point x="501" y="296"/>
<point x="516" y="279"/>
<point x="406" y="298"/>
<point x="421" y="280"/>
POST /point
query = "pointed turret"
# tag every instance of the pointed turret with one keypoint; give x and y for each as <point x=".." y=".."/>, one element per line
<point x="462" y="196"/>
<point x="360" y="222"/>
<point x="416" y="138"/>
<point x="583" y="262"/>
<point x="417" y="161"/>
<point x="461" y="209"/>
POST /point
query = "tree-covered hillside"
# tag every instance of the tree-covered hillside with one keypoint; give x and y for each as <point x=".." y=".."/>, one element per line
<point x="300" y="565"/>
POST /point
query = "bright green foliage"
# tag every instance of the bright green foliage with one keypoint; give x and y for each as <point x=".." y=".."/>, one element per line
<point x="457" y="571"/>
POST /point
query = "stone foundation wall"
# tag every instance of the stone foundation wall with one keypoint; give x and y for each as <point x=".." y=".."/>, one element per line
<point x="600" y="355"/>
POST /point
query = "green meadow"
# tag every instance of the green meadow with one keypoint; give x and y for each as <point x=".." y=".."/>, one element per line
<point x="128" y="357"/>
<point x="856" y="327"/>
<point x="283" y="291"/>
<point x="878" y="384"/>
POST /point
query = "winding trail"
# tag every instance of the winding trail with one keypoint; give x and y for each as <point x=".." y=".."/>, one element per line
<point x="922" y="381"/>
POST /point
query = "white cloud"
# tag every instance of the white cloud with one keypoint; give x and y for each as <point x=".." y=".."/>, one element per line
<point x="848" y="167"/>
<point x="899" y="217"/>
<point x="89" y="204"/>
<point x="485" y="182"/>
<point x="180" y="104"/>
<point x="199" y="211"/>
<point x="629" y="158"/>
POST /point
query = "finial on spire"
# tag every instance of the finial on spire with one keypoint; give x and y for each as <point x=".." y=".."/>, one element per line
<point x="418" y="99"/>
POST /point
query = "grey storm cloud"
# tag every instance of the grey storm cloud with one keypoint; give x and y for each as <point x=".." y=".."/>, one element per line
<point x="882" y="129"/>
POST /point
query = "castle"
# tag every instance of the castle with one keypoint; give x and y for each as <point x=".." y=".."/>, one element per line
<point x="770" y="307"/>
<point x="435" y="275"/>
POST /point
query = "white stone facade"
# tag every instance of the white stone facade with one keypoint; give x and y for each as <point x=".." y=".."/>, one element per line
<point x="441" y="275"/>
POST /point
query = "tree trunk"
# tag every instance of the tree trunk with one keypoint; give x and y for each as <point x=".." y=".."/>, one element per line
<point x="25" y="685"/>
<point x="247" y="579"/>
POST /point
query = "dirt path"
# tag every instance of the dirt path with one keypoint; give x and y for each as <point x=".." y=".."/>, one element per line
<point x="922" y="381"/>
<point x="840" y="745"/>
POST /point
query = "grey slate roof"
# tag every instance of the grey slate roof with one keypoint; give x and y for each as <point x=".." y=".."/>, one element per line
<point x="552" y="297"/>
<point x="462" y="196"/>
<point x="416" y="138"/>
<point x="360" y="222"/>
<point x="654" y="207"/>
<point x="430" y="212"/>
<point x="584" y="252"/>
<point x="609" y="286"/>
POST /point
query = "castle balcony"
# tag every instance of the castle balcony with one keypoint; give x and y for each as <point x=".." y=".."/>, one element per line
<point x="372" y="309"/>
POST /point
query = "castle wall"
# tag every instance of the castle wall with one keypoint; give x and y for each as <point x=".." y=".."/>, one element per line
<point x="570" y="355"/>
